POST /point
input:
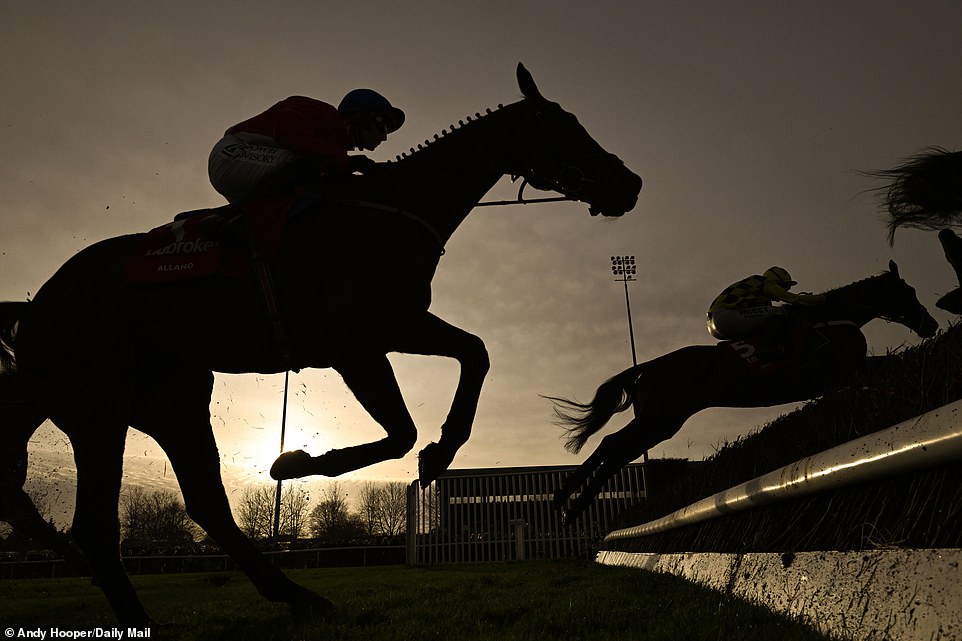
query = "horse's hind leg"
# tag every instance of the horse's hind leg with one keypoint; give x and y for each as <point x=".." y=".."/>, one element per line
<point x="18" y="421"/>
<point x="614" y="452"/>
<point x="174" y="410"/>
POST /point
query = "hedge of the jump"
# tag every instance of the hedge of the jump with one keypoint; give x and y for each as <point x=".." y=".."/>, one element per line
<point x="922" y="509"/>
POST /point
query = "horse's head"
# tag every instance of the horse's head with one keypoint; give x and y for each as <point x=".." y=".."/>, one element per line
<point x="555" y="153"/>
<point x="901" y="305"/>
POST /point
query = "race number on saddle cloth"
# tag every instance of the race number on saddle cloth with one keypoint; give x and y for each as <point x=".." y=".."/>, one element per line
<point x="755" y="351"/>
<point x="219" y="241"/>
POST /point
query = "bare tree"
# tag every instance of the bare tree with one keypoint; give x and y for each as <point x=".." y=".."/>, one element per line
<point x="370" y="503"/>
<point x="384" y="508"/>
<point x="157" y="515"/>
<point x="331" y="520"/>
<point x="394" y="508"/>
<point x="255" y="513"/>
<point x="294" y="514"/>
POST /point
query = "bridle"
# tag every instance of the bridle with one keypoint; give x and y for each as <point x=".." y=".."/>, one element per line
<point x="569" y="179"/>
<point x="913" y="318"/>
<point x="521" y="200"/>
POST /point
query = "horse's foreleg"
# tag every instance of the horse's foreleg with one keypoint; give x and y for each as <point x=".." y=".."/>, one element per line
<point x="952" y="246"/>
<point x="372" y="381"/>
<point x="99" y="452"/>
<point x="184" y="432"/>
<point x="429" y="335"/>
<point x="193" y="455"/>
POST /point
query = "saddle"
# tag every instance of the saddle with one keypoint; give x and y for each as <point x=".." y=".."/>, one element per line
<point x="221" y="241"/>
<point x="800" y="340"/>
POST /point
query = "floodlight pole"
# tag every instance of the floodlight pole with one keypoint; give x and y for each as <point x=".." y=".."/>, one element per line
<point x="277" y="495"/>
<point x="624" y="268"/>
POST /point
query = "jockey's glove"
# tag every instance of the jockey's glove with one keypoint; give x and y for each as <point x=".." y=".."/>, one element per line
<point x="810" y="299"/>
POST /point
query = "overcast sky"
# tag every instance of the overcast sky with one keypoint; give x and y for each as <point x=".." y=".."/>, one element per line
<point x="748" y="121"/>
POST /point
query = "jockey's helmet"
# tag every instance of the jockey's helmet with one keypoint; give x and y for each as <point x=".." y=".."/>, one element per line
<point x="361" y="101"/>
<point x="780" y="276"/>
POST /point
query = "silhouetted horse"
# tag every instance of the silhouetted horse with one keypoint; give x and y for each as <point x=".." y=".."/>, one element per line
<point x="925" y="192"/>
<point x="667" y="391"/>
<point x="351" y="281"/>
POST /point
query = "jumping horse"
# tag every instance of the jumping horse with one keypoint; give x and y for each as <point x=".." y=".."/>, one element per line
<point x="925" y="192"/>
<point x="96" y="354"/>
<point x="667" y="391"/>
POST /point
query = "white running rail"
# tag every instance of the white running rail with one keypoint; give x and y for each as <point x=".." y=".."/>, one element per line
<point x="928" y="440"/>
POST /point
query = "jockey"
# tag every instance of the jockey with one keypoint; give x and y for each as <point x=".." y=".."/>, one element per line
<point x="745" y="308"/>
<point x="298" y="140"/>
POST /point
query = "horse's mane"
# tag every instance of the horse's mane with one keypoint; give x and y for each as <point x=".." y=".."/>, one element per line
<point x="869" y="289"/>
<point x="869" y="283"/>
<point x="466" y="122"/>
<point x="924" y="192"/>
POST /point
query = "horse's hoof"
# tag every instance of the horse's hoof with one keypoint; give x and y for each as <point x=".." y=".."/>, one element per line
<point x="951" y="302"/>
<point x="315" y="608"/>
<point x="560" y="498"/>
<point x="571" y="512"/>
<point x="569" y="516"/>
<point x="291" y="465"/>
<point x="433" y="461"/>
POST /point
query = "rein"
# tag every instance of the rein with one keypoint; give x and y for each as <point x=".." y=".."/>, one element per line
<point x="428" y="227"/>
<point x="520" y="200"/>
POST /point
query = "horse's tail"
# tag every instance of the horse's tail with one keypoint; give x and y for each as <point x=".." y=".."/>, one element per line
<point x="581" y="420"/>
<point x="10" y="315"/>
<point x="924" y="192"/>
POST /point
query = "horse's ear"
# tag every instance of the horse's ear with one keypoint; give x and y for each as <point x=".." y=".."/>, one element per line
<point x="893" y="267"/>
<point x="526" y="83"/>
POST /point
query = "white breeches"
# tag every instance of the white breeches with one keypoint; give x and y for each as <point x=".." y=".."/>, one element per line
<point x="727" y="324"/>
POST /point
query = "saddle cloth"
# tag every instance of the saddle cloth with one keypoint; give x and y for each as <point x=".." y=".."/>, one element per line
<point x="800" y="341"/>
<point x="797" y="342"/>
<point x="209" y="242"/>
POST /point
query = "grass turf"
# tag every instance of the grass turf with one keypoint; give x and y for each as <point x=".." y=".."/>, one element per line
<point x="531" y="601"/>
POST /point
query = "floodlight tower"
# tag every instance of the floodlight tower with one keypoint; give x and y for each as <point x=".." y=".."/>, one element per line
<point x="624" y="268"/>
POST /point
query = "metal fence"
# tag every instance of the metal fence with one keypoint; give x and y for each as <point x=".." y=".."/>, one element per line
<point x="502" y="514"/>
